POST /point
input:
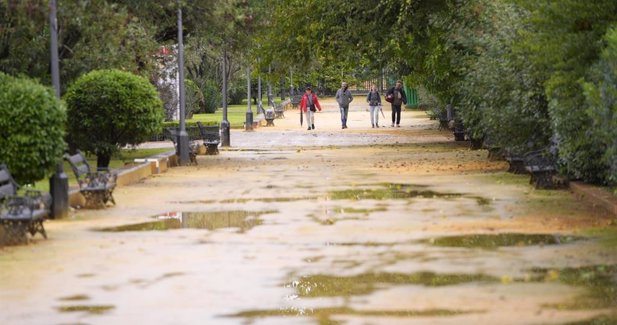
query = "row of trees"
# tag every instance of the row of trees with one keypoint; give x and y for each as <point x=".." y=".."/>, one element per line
<point x="106" y="49"/>
<point x="524" y="73"/>
<point x="521" y="72"/>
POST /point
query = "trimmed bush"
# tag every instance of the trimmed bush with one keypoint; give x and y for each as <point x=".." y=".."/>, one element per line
<point x="32" y="123"/>
<point x="109" y="109"/>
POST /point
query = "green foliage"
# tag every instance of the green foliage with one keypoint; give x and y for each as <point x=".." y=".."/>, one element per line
<point x="212" y="96"/>
<point x="601" y="98"/>
<point x="194" y="101"/>
<point x="499" y="96"/>
<point x="92" y="35"/>
<point x="109" y="109"/>
<point x="565" y="41"/>
<point x="31" y="127"/>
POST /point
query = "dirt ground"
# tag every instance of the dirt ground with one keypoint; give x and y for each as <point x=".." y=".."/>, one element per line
<point x="329" y="226"/>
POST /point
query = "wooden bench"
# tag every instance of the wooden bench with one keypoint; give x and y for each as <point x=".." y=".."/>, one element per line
<point x="459" y="130"/>
<point x="269" y="116"/>
<point x="172" y="134"/>
<point x="96" y="186"/>
<point x="21" y="215"/>
<point x="279" y="109"/>
<point x="516" y="161"/>
<point x="211" y="136"/>
<point x="295" y="100"/>
<point x="542" y="166"/>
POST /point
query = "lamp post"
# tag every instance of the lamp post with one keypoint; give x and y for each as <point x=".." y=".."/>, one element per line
<point x="259" y="103"/>
<point x="248" y="124"/>
<point x="270" y="99"/>
<point x="183" y="138"/>
<point x="225" y="141"/>
<point x="59" y="182"/>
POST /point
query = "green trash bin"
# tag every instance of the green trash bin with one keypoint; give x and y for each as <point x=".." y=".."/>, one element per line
<point x="412" y="97"/>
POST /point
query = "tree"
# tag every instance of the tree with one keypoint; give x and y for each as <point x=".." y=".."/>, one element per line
<point x="31" y="128"/>
<point x="109" y="109"/>
<point x="92" y="35"/>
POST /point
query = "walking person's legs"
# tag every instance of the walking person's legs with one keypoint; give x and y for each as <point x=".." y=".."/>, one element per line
<point x="393" y="115"/>
<point x="308" y="118"/>
<point x="376" y="112"/>
<point x="372" y="110"/>
<point x="312" y="114"/>
<point x="398" y="115"/>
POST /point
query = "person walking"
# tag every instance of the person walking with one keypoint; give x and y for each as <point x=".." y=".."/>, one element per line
<point x="374" y="102"/>
<point x="343" y="97"/>
<point x="396" y="96"/>
<point x="309" y="105"/>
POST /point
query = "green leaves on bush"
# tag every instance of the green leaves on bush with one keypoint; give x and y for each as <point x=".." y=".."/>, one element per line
<point x="31" y="128"/>
<point x="109" y="109"/>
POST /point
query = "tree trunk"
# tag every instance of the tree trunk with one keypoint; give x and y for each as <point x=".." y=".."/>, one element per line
<point x="102" y="161"/>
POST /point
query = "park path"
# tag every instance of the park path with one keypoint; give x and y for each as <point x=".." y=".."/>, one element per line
<point x="289" y="226"/>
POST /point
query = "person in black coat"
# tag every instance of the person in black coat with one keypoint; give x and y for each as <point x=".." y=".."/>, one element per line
<point x="398" y="98"/>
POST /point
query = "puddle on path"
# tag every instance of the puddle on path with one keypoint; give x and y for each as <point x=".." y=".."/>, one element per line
<point x="75" y="298"/>
<point x="333" y="286"/>
<point x="599" y="280"/>
<point x="89" y="309"/>
<point x="390" y="191"/>
<point x="243" y="220"/>
<point x="492" y="241"/>
<point x="323" y="315"/>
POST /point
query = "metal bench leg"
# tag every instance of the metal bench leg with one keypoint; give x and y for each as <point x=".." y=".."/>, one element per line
<point x="15" y="232"/>
<point x="37" y="226"/>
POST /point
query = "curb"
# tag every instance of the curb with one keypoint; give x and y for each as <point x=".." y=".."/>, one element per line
<point x="595" y="195"/>
<point x="149" y="166"/>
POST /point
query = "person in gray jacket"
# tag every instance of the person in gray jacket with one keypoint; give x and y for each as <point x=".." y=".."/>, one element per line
<point x="343" y="97"/>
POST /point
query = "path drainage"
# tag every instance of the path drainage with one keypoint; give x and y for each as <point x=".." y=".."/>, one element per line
<point x="243" y="220"/>
<point x="492" y="241"/>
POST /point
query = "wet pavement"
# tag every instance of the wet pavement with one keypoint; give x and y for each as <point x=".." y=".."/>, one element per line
<point x="356" y="226"/>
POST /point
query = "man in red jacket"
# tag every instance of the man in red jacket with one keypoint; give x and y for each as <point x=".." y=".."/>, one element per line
<point x="309" y="105"/>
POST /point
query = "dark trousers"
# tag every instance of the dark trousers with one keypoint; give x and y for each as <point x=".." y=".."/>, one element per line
<point x="396" y="114"/>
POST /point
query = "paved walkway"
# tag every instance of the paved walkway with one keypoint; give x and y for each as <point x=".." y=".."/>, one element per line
<point x="289" y="226"/>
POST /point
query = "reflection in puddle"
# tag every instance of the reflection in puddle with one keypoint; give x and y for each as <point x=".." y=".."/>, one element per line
<point x="399" y="191"/>
<point x="600" y="280"/>
<point x="74" y="298"/>
<point x="491" y="241"/>
<point x="330" y="286"/>
<point x="90" y="309"/>
<point x="243" y="220"/>
<point x="323" y="315"/>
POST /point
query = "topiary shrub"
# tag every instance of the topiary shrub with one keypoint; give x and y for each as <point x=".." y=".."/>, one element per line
<point x="109" y="109"/>
<point x="32" y="123"/>
<point x="194" y="99"/>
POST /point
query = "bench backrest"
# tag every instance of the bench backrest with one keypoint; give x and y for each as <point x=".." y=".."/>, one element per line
<point x="8" y="186"/>
<point x="78" y="163"/>
<point x="210" y="132"/>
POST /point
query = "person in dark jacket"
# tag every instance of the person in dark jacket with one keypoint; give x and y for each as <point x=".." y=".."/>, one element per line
<point x="344" y="97"/>
<point x="398" y="99"/>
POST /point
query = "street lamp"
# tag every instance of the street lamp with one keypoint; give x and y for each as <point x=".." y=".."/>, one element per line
<point x="248" y="124"/>
<point x="225" y="141"/>
<point x="59" y="182"/>
<point x="183" y="138"/>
